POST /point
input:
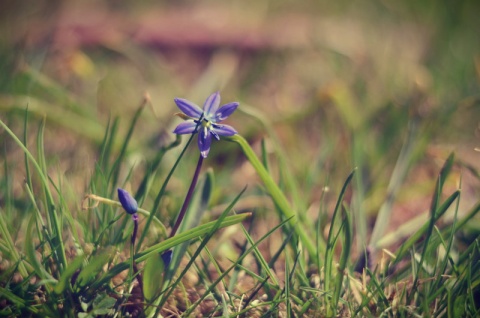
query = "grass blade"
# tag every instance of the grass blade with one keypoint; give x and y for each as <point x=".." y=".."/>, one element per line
<point x="277" y="195"/>
<point x="115" y="170"/>
<point x="435" y="212"/>
<point x="331" y="239"/>
<point x="398" y="176"/>
<point x="30" y="252"/>
<point x="342" y="267"/>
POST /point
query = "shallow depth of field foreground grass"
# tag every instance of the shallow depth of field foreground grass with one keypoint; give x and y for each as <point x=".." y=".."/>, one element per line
<point x="351" y="188"/>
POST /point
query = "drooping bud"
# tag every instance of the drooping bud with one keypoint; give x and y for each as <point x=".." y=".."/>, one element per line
<point x="128" y="202"/>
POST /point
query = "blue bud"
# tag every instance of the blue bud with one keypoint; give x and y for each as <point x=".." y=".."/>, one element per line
<point x="128" y="202"/>
<point x="167" y="258"/>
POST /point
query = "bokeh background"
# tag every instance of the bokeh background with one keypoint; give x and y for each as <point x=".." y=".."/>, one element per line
<point x="328" y="85"/>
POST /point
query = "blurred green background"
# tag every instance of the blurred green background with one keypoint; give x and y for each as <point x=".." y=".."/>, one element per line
<point x="339" y="83"/>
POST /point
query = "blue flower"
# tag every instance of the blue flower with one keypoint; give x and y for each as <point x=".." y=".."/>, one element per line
<point x="128" y="202"/>
<point x="206" y="121"/>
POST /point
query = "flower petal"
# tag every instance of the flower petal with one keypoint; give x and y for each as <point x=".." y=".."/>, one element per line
<point x="225" y="111"/>
<point x="211" y="105"/>
<point x="128" y="202"/>
<point x="214" y="134"/>
<point x="187" y="127"/>
<point x="224" y="130"/>
<point x="189" y="108"/>
<point x="204" y="142"/>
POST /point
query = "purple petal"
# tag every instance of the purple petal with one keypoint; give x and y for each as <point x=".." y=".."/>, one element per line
<point x="225" y="111"/>
<point x="188" y="108"/>
<point x="187" y="127"/>
<point x="211" y="105"/>
<point x="224" y="130"/>
<point x="128" y="202"/>
<point x="204" y="142"/>
<point x="214" y="134"/>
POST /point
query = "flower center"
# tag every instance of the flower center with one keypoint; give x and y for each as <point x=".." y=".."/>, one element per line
<point x="206" y="123"/>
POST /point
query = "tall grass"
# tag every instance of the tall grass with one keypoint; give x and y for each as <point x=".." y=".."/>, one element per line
<point x="430" y="273"/>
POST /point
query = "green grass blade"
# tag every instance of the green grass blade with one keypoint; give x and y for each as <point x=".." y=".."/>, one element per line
<point x="115" y="170"/>
<point x="437" y="284"/>
<point x="28" y="177"/>
<point x="435" y="211"/>
<point x="331" y="239"/>
<point x="103" y="147"/>
<point x="143" y="187"/>
<point x="345" y="256"/>
<point x="398" y="176"/>
<point x="264" y="154"/>
<point x="171" y="242"/>
<point x="43" y="166"/>
<point x="277" y="195"/>
<point x="264" y="264"/>
<point x="109" y="145"/>
<point x="288" y="303"/>
<point x="360" y="217"/>
<point x="30" y="252"/>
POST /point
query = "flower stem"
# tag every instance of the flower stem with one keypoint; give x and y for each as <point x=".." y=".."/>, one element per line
<point x="181" y="215"/>
<point x="135" y="229"/>
<point x="133" y="265"/>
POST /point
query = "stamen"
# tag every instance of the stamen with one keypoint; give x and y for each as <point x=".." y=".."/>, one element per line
<point x="205" y="132"/>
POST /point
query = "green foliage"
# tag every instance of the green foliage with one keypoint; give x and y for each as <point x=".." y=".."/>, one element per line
<point x="154" y="275"/>
<point x="101" y="305"/>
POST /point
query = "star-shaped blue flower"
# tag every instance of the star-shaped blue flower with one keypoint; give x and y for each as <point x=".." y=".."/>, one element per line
<point x="206" y="121"/>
